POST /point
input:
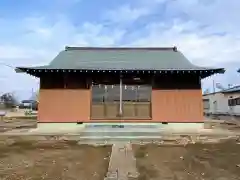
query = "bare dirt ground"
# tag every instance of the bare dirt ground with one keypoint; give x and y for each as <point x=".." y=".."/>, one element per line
<point x="53" y="161"/>
<point x="232" y="125"/>
<point x="17" y="122"/>
<point x="194" y="161"/>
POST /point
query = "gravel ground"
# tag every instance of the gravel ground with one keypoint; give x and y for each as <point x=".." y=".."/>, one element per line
<point x="53" y="161"/>
<point x="219" y="161"/>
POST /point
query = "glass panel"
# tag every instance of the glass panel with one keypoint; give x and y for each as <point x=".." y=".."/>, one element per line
<point x="106" y="96"/>
<point x="112" y="93"/>
<point x="97" y="93"/>
<point x="137" y="101"/>
<point x="144" y="93"/>
<point x="106" y="101"/>
<point x="137" y="93"/>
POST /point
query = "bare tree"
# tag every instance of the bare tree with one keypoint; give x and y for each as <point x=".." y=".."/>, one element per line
<point x="9" y="100"/>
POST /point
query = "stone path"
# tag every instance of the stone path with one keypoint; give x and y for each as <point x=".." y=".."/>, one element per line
<point x="122" y="163"/>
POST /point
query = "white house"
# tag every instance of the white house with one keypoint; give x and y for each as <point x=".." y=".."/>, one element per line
<point x="225" y="102"/>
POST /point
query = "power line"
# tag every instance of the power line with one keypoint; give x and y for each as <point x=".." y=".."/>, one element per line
<point x="7" y="65"/>
<point x="4" y="64"/>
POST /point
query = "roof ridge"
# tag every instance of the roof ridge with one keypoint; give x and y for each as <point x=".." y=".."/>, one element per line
<point x="69" y="48"/>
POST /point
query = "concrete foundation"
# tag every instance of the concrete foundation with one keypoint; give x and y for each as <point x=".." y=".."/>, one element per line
<point x="74" y="127"/>
<point x="59" y="128"/>
<point x="182" y="126"/>
<point x="132" y="125"/>
<point x="159" y="126"/>
<point x="121" y="130"/>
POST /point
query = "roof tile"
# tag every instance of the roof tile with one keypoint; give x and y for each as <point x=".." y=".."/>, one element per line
<point x="122" y="58"/>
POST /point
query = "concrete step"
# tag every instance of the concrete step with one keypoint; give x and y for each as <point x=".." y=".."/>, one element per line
<point x="119" y="133"/>
<point x="104" y="140"/>
<point x="124" y="125"/>
<point x="121" y="130"/>
<point x="120" y="137"/>
<point x="113" y="140"/>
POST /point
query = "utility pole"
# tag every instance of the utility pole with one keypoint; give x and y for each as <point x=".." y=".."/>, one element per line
<point x="31" y="104"/>
<point x="214" y="100"/>
<point x="213" y="86"/>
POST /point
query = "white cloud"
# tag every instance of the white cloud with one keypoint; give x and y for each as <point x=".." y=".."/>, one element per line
<point x="97" y="35"/>
<point x="191" y="25"/>
<point x="219" y="14"/>
<point x="209" y="50"/>
<point x="126" y="13"/>
<point x="207" y="32"/>
<point x="40" y="39"/>
<point x="38" y="42"/>
<point x="131" y="12"/>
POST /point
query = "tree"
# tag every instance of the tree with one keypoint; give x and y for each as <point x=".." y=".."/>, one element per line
<point x="9" y="100"/>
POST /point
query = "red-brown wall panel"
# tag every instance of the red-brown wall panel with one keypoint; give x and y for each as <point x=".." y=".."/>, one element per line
<point x="64" y="105"/>
<point x="68" y="105"/>
<point x="177" y="105"/>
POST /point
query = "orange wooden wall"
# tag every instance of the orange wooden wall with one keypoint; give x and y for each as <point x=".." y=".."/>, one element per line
<point x="68" y="105"/>
<point x="177" y="105"/>
<point x="64" y="105"/>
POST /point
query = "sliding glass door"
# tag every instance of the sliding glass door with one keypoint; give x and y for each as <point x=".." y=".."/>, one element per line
<point x="136" y="101"/>
<point x="121" y="101"/>
<point x="105" y="101"/>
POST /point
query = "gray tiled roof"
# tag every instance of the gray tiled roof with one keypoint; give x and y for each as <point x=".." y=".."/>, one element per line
<point x="121" y="58"/>
<point x="229" y="90"/>
<point x="232" y="89"/>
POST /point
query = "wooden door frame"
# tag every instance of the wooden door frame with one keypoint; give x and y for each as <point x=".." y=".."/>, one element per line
<point x="105" y="117"/>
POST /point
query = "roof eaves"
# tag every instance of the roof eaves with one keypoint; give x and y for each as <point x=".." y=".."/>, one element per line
<point x="212" y="93"/>
<point x="20" y="69"/>
<point x="216" y="70"/>
<point x="231" y="90"/>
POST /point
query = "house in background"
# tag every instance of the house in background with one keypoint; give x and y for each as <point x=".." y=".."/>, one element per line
<point x="225" y="102"/>
<point x="29" y="104"/>
<point x="92" y="84"/>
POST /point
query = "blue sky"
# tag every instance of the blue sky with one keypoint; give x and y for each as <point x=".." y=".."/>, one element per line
<point x="33" y="32"/>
